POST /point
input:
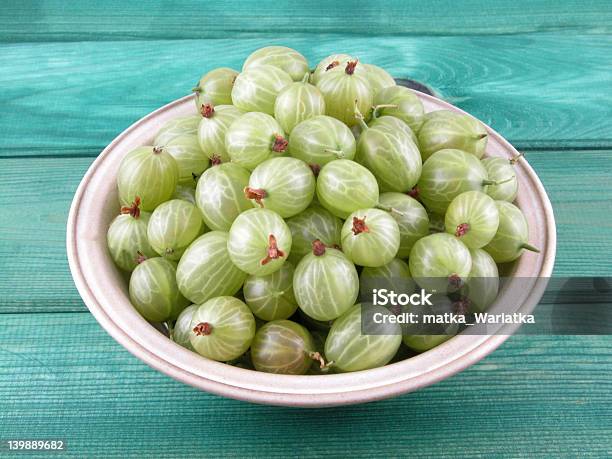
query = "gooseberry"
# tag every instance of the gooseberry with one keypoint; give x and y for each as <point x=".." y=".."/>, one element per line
<point x="286" y="59"/>
<point x="423" y="336"/>
<point x="259" y="242"/>
<point x="348" y="348"/>
<point x="329" y="63"/>
<point x="185" y="192"/>
<point x="298" y="102"/>
<point x="512" y="234"/>
<point x="256" y="89"/>
<point x="379" y="79"/>
<point x="283" y="347"/>
<point x="253" y="138"/>
<point x="393" y="276"/>
<point x="321" y="139"/>
<point x="344" y="90"/>
<point x="370" y="237"/>
<point x="127" y="236"/>
<point x="313" y="223"/>
<point x="206" y="270"/>
<point x="182" y="327"/>
<point x="220" y="195"/>
<point x="215" y="87"/>
<point x="482" y="286"/>
<point x="411" y="218"/>
<point x="473" y="218"/>
<point x="400" y="102"/>
<point x="271" y="297"/>
<point x="440" y="262"/>
<point x="150" y="173"/>
<point x="501" y="170"/>
<point x="447" y="129"/>
<point x="212" y="128"/>
<point x="153" y="290"/>
<point x="176" y="127"/>
<point x="173" y="226"/>
<point x="344" y="186"/>
<point x="222" y="328"/>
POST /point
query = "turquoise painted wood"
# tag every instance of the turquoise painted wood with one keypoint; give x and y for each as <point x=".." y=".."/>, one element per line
<point x="73" y="77"/>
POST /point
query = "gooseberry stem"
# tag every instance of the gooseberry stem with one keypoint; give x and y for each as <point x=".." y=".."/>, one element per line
<point x="350" y="66"/>
<point x="215" y="160"/>
<point x="389" y="209"/>
<point x="306" y="77"/>
<point x="515" y="159"/>
<point x="280" y="144"/>
<point x="140" y="257"/>
<point x="480" y="136"/>
<point x="360" y="118"/>
<point x="530" y="247"/>
<point x="134" y="209"/>
<point x="203" y="328"/>
<point x="376" y="108"/>
<point x="319" y="358"/>
<point x="331" y="65"/>
<point x="273" y="251"/>
<point x="496" y="182"/>
<point x="207" y="110"/>
<point x="257" y="194"/>
<point x="196" y="89"/>
<point x="339" y="153"/>
<point x="318" y="248"/>
<point x="359" y="226"/>
<point x="157" y="150"/>
<point x="462" y="229"/>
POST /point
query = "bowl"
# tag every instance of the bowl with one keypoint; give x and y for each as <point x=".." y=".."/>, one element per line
<point x="104" y="290"/>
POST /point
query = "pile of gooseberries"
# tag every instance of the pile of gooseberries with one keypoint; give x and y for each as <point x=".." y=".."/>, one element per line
<point x="257" y="228"/>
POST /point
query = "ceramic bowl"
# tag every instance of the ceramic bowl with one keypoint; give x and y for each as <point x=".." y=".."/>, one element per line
<point x="104" y="290"/>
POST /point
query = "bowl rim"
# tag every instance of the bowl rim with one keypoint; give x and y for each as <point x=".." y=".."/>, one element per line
<point x="405" y="376"/>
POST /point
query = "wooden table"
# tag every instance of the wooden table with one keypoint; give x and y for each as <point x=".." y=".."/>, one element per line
<point x="73" y="76"/>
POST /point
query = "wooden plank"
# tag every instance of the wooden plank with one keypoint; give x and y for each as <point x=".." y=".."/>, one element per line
<point x="118" y="20"/>
<point x="61" y="376"/>
<point x="35" y="194"/>
<point x="549" y="90"/>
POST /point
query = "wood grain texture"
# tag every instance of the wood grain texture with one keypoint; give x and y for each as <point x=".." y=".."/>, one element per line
<point x="35" y="195"/>
<point x="52" y="20"/>
<point x="551" y="90"/>
<point x="61" y="376"/>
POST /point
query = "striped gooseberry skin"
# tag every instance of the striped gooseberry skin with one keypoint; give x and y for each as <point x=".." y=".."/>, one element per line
<point x="386" y="148"/>
<point x="189" y="157"/>
<point x="422" y="337"/>
<point x="282" y="347"/>
<point x="182" y="327"/>
<point x="445" y="129"/>
<point x="256" y="89"/>
<point x="176" y="127"/>
<point x="281" y="57"/>
<point x="220" y="195"/>
<point x="126" y="236"/>
<point x="344" y="186"/>
<point x="347" y="349"/>
<point x="320" y="140"/>
<point x="325" y="284"/>
<point x="411" y="218"/>
<point x="327" y="64"/>
<point x="215" y="87"/>
<point x="313" y="223"/>
<point x="206" y="270"/>
<point x="222" y="328"/>
<point x="473" y="218"/>
<point x="409" y="107"/>
<point x="440" y="262"/>
<point x="512" y="234"/>
<point x="500" y="170"/>
<point x="447" y="174"/>
<point x="370" y="237"/>
<point x="259" y="242"/>
<point x="173" y="226"/>
<point x="393" y="276"/>
<point x="154" y="292"/>
<point x="253" y="138"/>
<point x="212" y="128"/>
<point x="346" y="88"/>
<point x="285" y="185"/>
<point x="298" y="102"/>
<point x="482" y="287"/>
<point x="150" y="173"/>
<point x="379" y="78"/>
<point x="271" y="297"/>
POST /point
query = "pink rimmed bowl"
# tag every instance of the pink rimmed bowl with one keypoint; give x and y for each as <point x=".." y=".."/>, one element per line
<point x="104" y="290"/>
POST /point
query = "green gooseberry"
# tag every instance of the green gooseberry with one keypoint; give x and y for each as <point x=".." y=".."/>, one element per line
<point x="512" y="234"/>
<point x="330" y="62"/>
<point x="283" y="347"/>
<point x="182" y="327"/>
<point x="185" y="192"/>
<point x="212" y="128"/>
<point x="482" y="287"/>
<point x="154" y="292"/>
<point x="370" y="237"/>
<point x="446" y="129"/>
<point x="325" y="283"/>
<point x="348" y="348"/>
<point x="440" y="262"/>
<point x="379" y="78"/>
<point x="215" y="87"/>
<point x="177" y="127"/>
<point x="222" y="328"/>
<point x="394" y="276"/>
<point x="386" y="148"/>
<point x="402" y="103"/>
<point x="256" y="88"/>
<point x="313" y="223"/>
<point x="281" y="57"/>
<point x="473" y="218"/>
<point x="411" y="218"/>
<point x="271" y="297"/>
<point x="502" y="170"/>
<point x="298" y="102"/>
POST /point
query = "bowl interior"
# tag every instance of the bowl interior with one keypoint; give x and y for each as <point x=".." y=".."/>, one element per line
<point x="104" y="290"/>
